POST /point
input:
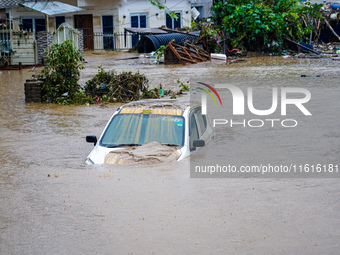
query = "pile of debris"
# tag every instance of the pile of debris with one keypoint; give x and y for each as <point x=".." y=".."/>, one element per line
<point x="113" y="87"/>
<point x="188" y="53"/>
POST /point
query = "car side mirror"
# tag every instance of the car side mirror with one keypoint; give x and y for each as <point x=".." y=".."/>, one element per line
<point x="197" y="143"/>
<point x="91" y="139"/>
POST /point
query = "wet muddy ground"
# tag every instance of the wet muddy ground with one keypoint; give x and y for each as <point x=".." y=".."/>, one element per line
<point x="53" y="204"/>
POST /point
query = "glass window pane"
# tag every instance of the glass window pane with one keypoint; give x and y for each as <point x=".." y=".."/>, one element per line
<point x="134" y="21"/>
<point x="177" y="23"/>
<point x="202" y="121"/>
<point x="40" y="25"/>
<point x="193" y="130"/>
<point x="107" y="24"/>
<point x="28" y="24"/>
<point x="142" y="21"/>
<point x="59" y="20"/>
<point x="163" y="129"/>
<point x="144" y="128"/>
<point x="168" y="21"/>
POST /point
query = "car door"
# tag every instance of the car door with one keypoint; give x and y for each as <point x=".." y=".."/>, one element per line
<point x="198" y="125"/>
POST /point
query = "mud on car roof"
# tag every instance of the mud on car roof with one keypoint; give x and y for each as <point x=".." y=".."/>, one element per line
<point x="177" y="104"/>
<point x="158" y="106"/>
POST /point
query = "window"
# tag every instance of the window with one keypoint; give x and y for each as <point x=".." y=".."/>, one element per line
<point x="108" y="39"/>
<point x="5" y="36"/>
<point x="3" y="14"/>
<point x="138" y="20"/>
<point x="173" y="23"/>
<point x="127" y="129"/>
<point x="59" y="20"/>
<point x="34" y="24"/>
<point x="202" y="121"/>
<point x="193" y="131"/>
<point x="40" y="25"/>
<point x="28" y="24"/>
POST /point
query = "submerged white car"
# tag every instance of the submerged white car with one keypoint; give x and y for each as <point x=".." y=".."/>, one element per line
<point x="151" y="129"/>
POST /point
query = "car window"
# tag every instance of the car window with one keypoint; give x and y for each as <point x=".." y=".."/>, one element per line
<point x="202" y="121"/>
<point x="193" y="130"/>
<point x="142" y="129"/>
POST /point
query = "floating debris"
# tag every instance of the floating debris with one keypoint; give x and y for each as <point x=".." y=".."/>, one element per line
<point x="303" y="75"/>
<point x="188" y="53"/>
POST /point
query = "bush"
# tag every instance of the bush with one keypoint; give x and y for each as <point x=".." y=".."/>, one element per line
<point x="262" y="25"/>
<point x="62" y="74"/>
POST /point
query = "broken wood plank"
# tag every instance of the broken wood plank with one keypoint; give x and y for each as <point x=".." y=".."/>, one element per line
<point x="178" y="55"/>
<point x="330" y="27"/>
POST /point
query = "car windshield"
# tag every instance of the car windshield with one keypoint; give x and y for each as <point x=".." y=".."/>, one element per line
<point x="138" y="129"/>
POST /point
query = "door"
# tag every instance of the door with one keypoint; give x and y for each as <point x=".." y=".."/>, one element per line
<point x="107" y="23"/>
<point x="85" y="23"/>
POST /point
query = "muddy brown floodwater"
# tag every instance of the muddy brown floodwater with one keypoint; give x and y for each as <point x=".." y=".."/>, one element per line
<point x="53" y="204"/>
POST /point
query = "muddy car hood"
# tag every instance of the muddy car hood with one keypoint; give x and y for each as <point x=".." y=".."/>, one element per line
<point x="147" y="153"/>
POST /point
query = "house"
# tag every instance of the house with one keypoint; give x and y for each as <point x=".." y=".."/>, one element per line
<point x="203" y="7"/>
<point x="102" y="22"/>
<point x="6" y="26"/>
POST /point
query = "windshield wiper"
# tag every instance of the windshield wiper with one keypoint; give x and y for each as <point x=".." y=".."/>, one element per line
<point x="170" y="144"/>
<point x="122" y="145"/>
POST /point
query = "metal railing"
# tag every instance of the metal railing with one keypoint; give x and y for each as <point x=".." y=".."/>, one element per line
<point x="116" y="41"/>
<point x="5" y="41"/>
<point x="5" y="35"/>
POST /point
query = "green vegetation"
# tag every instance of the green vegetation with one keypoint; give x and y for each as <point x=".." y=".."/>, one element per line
<point x="262" y="25"/>
<point x="160" y="51"/>
<point x="172" y="14"/>
<point x="108" y="86"/>
<point x="182" y="87"/>
<point x="112" y="87"/>
<point x="61" y="77"/>
<point x="62" y="74"/>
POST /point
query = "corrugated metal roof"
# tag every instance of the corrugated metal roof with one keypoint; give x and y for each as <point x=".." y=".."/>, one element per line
<point x="51" y="8"/>
<point x="5" y="4"/>
<point x="147" y="30"/>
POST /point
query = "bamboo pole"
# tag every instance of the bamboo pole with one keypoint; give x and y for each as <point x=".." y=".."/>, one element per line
<point x="330" y="27"/>
<point x="302" y="46"/>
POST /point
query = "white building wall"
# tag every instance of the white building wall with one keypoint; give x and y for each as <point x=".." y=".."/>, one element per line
<point x="20" y="12"/>
<point x="205" y="4"/>
<point x="132" y="7"/>
<point x="121" y="11"/>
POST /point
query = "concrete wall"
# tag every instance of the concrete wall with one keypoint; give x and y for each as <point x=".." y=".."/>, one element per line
<point x="44" y="41"/>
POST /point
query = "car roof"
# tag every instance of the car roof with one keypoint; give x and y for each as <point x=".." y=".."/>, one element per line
<point x="159" y="103"/>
